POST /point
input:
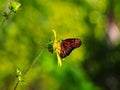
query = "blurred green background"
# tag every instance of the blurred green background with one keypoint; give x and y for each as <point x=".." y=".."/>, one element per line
<point x="93" y="66"/>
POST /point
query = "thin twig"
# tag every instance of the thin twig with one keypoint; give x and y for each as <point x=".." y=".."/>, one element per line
<point x="15" y="88"/>
<point x="5" y="18"/>
<point x="28" y="68"/>
<point x="34" y="61"/>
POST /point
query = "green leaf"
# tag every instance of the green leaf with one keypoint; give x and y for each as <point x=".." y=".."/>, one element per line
<point x="14" y="6"/>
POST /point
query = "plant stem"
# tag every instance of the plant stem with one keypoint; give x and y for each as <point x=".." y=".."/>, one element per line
<point x="28" y="68"/>
<point x="5" y="18"/>
<point x="15" y="88"/>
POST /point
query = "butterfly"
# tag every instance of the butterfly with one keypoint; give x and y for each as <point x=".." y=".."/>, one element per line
<point x="68" y="45"/>
<point x="63" y="48"/>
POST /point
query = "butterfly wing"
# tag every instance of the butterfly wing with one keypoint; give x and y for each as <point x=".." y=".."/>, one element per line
<point x="68" y="45"/>
<point x="66" y="48"/>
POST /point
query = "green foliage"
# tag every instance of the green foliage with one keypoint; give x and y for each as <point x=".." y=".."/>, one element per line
<point x="25" y="34"/>
<point x="19" y="75"/>
<point x="50" y="46"/>
<point x="14" y="6"/>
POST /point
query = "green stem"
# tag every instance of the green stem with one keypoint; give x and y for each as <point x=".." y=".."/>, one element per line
<point x="34" y="61"/>
<point x="5" y="18"/>
<point x="28" y="68"/>
<point x="15" y="88"/>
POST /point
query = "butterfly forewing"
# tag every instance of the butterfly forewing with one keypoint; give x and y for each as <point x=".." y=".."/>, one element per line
<point x="68" y="45"/>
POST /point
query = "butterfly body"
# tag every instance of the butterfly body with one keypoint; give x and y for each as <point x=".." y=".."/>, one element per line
<point x="68" y="45"/>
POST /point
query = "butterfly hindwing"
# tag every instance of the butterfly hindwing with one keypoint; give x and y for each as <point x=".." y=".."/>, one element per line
<point x="68" y="45"/>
